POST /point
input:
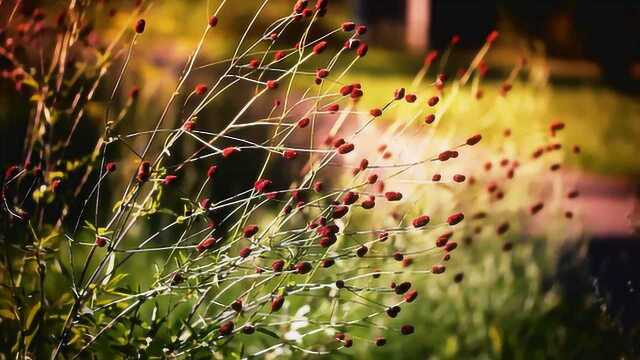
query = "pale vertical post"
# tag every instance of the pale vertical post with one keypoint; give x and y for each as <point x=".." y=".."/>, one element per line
<point x="418" y="21"/>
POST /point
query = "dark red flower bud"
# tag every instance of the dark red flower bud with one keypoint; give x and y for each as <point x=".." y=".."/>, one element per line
<point x="429" y="119"/>
<point x="237" y="305"/>
<point x="250" y="230"/>
<point x="319" y="47"/>
<point x="346" y="90"/>
<point x="410" y="98"/>
<point x="248" y="329"/>
<point x="573" y="194"/>
<point x="492" y="36"/>
<point x="228" y="151"/>
<point x="213" y="21"/>
<point x="455" y="39"/>
<point x="402" y="288"/>
<point x="375" y="112"/>
<point x="205" y="244"/>
<point x="276" y="303"/>
<point x="536" y="208"/>
<point x="140" y="25"/>
<point x="348" y="26"/>
<point x="410" y="296"/>
<point x="430" y="58"/>
<point x="169" y="179"/>
<point x="455" y="218"/>
<point x="436" y="177"/>
<point x="438" y="268"/>
<point x="290" y="154"/>
<point x="327" y="263"/>
<point x="303" y="123"/>
<point x="339" y="211"/>
<point x="245" y="252"/>
<point x="318" y="186"/>
<point x="503" y="228"/>
<point x="362" y="251"/>
<point x="398" y="94"/>
<point x="433" y="101"/>
<point x="333" y="108"/>
<point x="451" y="246"/>
<point x="361" y="29"/>
<point x="349" y="198"/>
<point x="393" y="311"/>
<point x="474" y="139"/>
<point x="362" y="50"/>
<point x="368" y="204"/>
<point x="383" y="236"/>
<point x="420" y="221"/>
<point x="372" y="179"/>
<point x="397" y="256"/>
<point x="226" y="328"/>
<point x="200" y="89"/>
<point x="407" y="329"/>
<point x="380" y="341"/>
<point x="459" y="178"/>
<point x="144" y="172"/>
<point x="262" y="185"/>
<point x="303" y="267"/>
<point x="101" y="241"/>
<point x="345" y="148"/>
<point x="277" y="265"/>
<point x="507" y="246"/>
<point x="458" y="277"/>
<point x="393" y="196"/>
<point x="212" y="171"/>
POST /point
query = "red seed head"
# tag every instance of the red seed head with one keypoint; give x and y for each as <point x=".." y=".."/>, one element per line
<point x="338" y="142"/>
<point x="245" y="252"/>
<point x="303" y="123"/>
<point x="451" y="246"/>
<point x="438" y="268"/>
<point x="134" y="92"/>
<point x="333" y="108"/>
<point x="250" y="230"/>
<point x="205" y="244"/>
<point x="393" y="196"/>
<point x="402" y="288"/>
<point x="431" y="57"/>
<point x="407" y="329"/>
<point x="393" y="311"/>
<point x="372" y="179"/>
<point x="375" y="112"/>
<point x="349" y="198"/>
<point x="368" y="204"/>
<point x="433" y="101"/>
<point x="322" y="73"/>
<point x="362" y="50"/>
<point x="536" y="208"/>
<point x="327" y="263"/>
<point x="339" y="211"/>
<point x="253" y="63"/>
<point x="459" y="178"/>
<point x="212" y="171"/>
<point x="361" y="29"/>
<point x="200" y="89"/>
<point x="380" y="341"/>
<point x="290" y="154"/>
<point x="299" y="6"/>
<point x="410" y="296"/>
<point x="321" y="4"/>
<point x="364" y="164"/>
<point x="356" y="93"/>
<point x="348" y="26"/>
<point x="420" y="221"/>
<point x="262" y="185"/>
<point x="277" y="265"/>
<point x="228" y="151"/>
<point x="110" y="167"/>
<point x="303" y="267"/>
<point x="169" y="179"/>
<point x="276" y="303"/>
<point x="455" y="39"/>
<point x="436" y="177"/>
<point x="237" y="305"/>
<point x="455" y="218"/>
<point x="429" y="119"/>
<point x="410" y="98"/>
<point x="226" y="328"/>
<point x="573" y="194"/>
<point x="474" y="139"/>
<point x="362" y="251"/>
<point x="346" y="90"/>
<point x="272" y="84"/>
<point x="140" y="25"/>
<point x="319" y="47"/>
<point x="503" y="228"/>
<point x="213" y="21"/>
<point x="492" y="36"/>
<point x="101" y="241"/>
<point x="398" y="94"/>
<point x="144" y="171"/>
<point x="345" y="148"/>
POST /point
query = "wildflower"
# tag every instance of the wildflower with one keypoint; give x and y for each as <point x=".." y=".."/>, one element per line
<point x="349" y="198"/>
<point x="345" y="148"/>
<point x="420" y="221"/>
<point x="226" y="328"/>
<point x="277" y="265"/>
<point x="455" y="218"/>
<point x="200" y="89"/>
<point x="250" y="230"/>
<point x="474" y="139"/>
<point x="407" y="329"/>
<point x="228" y="151"/>
<point x="140" y="25"/>
<point x="348" y="26"/>
<point x="213" y="21"/>
<point x="393" y="196"/>
<point x="290" y="154"/>
<point x="245" y="252"/>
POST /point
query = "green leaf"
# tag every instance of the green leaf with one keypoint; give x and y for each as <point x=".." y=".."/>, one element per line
<point x="268" y="332"/>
